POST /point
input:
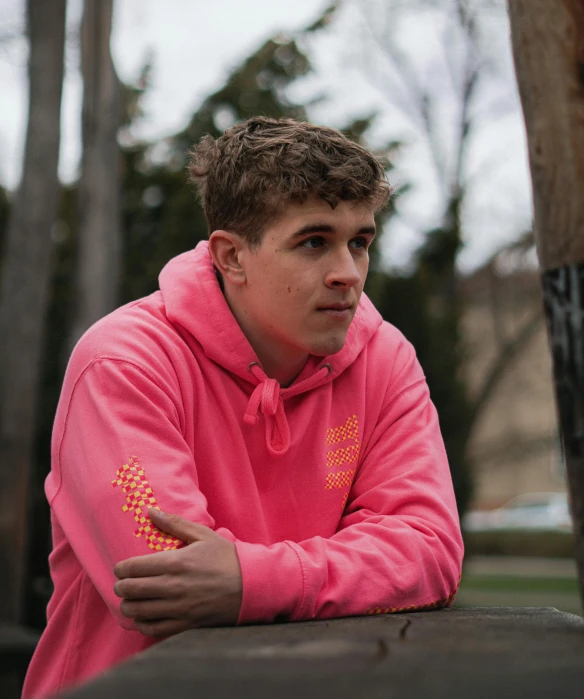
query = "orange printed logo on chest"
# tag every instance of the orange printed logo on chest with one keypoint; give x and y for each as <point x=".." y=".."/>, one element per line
<point x="346" y="435"/>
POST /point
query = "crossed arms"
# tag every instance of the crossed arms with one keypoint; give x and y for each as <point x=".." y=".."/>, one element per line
<point x="397" y="544"/>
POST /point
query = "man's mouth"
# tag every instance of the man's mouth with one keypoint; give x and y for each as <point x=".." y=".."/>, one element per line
<point x="336" y="307"/>
<point x="337" y="311"/>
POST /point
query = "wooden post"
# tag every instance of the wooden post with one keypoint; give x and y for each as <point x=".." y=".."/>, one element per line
<point x="548" y="47"/>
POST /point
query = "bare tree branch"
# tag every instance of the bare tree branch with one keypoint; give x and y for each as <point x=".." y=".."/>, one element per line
<point x="497" y="370"/>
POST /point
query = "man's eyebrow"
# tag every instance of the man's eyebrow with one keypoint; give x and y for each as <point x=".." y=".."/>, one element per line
<point x="312" y="228"/>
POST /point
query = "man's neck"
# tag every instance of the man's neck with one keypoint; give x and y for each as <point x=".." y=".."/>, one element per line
<point x="277" y="363"/>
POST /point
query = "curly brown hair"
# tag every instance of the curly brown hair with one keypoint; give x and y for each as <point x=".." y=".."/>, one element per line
<point x="248" y="174"/>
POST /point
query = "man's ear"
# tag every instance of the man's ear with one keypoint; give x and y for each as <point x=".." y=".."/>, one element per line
<point x="225" y="249"/>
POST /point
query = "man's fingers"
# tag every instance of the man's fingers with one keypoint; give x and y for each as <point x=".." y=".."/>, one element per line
<point x="151" y="609"/>
<point x="163" y="561"/>
<point x="145" y="566"/>
<point x="160" y="628"/>
<point x="179" y="527"/>
<point x="155" y="587"/>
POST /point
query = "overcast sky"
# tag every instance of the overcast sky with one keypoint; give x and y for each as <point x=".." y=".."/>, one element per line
<point x="195" y="44"/>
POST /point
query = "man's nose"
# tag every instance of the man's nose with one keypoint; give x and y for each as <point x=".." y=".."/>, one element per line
<point x="344" y="271"/>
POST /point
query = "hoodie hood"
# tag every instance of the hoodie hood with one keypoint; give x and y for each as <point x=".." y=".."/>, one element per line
<point x="193" y="300"/>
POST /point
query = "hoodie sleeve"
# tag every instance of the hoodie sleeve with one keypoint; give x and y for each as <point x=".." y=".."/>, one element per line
<point x="116" y="410"/>
<point x="398" y="545"/>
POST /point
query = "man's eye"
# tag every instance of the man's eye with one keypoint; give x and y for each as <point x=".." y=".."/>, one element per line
<point x="312" y="243"/>
<point x="359" y="242"/>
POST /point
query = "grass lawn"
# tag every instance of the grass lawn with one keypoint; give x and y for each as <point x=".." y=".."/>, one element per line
<point x="501" y="582"/>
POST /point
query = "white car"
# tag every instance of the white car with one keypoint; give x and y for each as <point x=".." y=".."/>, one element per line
<point x="527" y="511"/>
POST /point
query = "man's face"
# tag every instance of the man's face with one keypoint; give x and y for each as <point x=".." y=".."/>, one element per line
<point x="303" y="283"/>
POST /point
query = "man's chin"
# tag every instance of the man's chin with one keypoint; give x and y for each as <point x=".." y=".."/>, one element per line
<point x="329" y="346"/>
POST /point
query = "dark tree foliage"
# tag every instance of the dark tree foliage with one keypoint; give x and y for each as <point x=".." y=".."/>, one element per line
<point x="426" y="307"/>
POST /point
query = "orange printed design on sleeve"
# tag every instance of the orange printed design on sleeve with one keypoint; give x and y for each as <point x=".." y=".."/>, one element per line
<point x="341" y="456"/>
<point x="139" y="497"/>
<point x="438" y="604"/>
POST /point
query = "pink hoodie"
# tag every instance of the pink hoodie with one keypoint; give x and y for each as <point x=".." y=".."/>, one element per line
<point x="335" y="490"/>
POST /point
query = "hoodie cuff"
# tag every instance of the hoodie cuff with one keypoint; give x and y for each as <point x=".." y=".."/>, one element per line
<point x="273" y="582"/>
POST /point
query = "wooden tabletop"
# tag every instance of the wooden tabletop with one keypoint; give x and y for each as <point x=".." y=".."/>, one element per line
<point x="471" y="653"/>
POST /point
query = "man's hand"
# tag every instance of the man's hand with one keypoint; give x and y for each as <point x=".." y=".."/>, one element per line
<point x="171" y="591"/>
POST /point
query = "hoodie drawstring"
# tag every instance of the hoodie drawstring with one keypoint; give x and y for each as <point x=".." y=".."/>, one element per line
<point x="266" y="398"/>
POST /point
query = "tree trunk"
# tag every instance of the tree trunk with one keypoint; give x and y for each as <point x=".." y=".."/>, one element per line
<point x="99" y="233"/>
<point x="24" y="291"/>
<point x="548" y="46"/>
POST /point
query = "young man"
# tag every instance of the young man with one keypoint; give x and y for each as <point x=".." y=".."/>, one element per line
<point x="251" y="443"/>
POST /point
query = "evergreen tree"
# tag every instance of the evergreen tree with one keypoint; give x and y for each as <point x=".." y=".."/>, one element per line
<point x="426" y="306"/>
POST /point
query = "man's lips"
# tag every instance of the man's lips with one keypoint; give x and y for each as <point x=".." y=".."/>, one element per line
<point x="335" y="307"/>
<point x="341" y="312"/>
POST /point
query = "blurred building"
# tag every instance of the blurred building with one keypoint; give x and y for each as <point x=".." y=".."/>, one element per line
<point x="514" y="447"/>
